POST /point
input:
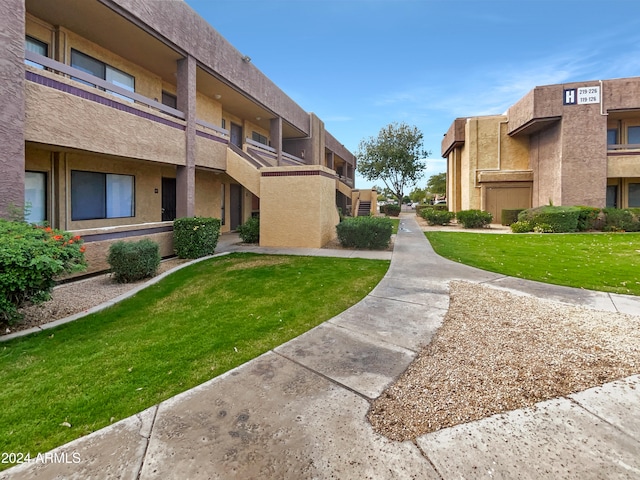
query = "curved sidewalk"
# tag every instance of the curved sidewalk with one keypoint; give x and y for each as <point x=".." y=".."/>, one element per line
<point x="299" y="411"/>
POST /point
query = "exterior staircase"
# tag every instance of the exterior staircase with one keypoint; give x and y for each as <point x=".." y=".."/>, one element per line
<point x="364" y="209"/>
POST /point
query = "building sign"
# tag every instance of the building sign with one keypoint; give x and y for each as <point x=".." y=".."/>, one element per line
<point x="581" y="96"/>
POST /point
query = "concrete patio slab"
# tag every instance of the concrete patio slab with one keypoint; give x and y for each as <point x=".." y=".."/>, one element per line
<point x="272" y="418"/>
<point x="351" y="359"/>
<point x="405" y="324"/>
<point x="555" y="440"/>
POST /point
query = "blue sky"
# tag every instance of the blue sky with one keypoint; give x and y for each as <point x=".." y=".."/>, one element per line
<point x="362" y="64"/>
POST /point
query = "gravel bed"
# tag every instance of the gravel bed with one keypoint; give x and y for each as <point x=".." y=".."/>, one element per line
<point x="75" y="297"/>
<point x="496" y="352"/>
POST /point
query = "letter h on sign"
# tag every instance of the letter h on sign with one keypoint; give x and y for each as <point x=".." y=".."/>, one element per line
<point x="570" y="96"/>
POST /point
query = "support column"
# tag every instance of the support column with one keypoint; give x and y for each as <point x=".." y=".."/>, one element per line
<point x="12" y="118"/>
<point x="186" y="102"/>
<point x="276" y="138"/>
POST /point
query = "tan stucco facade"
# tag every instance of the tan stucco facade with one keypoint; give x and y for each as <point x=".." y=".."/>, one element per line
<point x="563" y="144"/>
<point x="195" y="129"/>
<point x="298" y="206"/>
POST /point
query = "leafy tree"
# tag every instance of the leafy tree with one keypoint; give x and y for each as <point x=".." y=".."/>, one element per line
<point x="418" y="194"/>
<point x="437" y="184"/>
<point x="394" y="156"/>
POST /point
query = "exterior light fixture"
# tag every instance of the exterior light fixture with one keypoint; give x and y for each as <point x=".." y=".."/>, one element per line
<point x="246" y="59"/>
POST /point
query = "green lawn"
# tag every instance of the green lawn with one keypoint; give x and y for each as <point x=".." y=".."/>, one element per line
<point x="195" y="324"/>
<point x="606" y="262"/>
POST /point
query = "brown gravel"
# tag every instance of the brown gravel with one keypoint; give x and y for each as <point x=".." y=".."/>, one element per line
<point x="497" y="352"/>
<point x="75" y="297"/>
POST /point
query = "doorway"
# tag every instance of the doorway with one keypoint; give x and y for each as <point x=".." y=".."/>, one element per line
<point x="168" y="199"/>
<point x="235" y="200"/>
<point x="236" y="135"/>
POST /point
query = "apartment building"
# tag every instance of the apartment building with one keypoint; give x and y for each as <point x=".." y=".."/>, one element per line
<point x="566" y="144"/>
<point x="121" y="115"/>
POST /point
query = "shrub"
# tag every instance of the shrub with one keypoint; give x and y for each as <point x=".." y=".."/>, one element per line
<point x="250" y="230"/>
<point x="474" y="218"/>
<point x="133" y="261"/>
<point x="543" y="228"/>
<point x="617" y="220"/>
<point x="437" y="217"/>
<point x="559" y="219"/>
<point x="509" y="216"/>
<point x="195" y="237"/>
<point x="30" y="258"/>
<point x="522" y="226"/>
<point x="365" y="232"/>
<point x="391" y="210"/>
<point x="587" y="218"/>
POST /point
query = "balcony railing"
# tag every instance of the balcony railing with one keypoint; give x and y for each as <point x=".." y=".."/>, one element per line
<point x="62" y="68"/>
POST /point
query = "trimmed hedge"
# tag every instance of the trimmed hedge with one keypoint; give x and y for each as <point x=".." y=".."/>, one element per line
<point x="555" y="219"/>
<point x="30" y="258"/>
<point x="195" y="237"/>
<point x="250" y="230"/>
<point x="474" y="218"/>
<point x="435" y="216"/>
<point x="365" y="232"/>
<point x="133" y="261"/>
<point x="391" y="210"/>
<point x="509" y="216"/>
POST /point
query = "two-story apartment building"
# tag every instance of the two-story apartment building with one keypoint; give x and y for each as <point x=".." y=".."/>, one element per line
<point x="566" y="144"/>
<point x="121" y="115"/>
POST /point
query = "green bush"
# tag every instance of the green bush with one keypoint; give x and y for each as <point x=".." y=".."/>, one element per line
<point x="509" y="216"/>
<point x="474" y="218"/>
<point x="437" y="217"/>
<point x="250" y="230"/>
<point x="133" y="261"/>
<point x="617" y="220"/>
<point x="30" y="258"/>
<point x="559" y="219"/>
<point x="365" y="232"/>
<point x="521" y="226"/>
<point x="588" y="218"/>
<point x="195" y="237"/>
<point x="391" y="210"/>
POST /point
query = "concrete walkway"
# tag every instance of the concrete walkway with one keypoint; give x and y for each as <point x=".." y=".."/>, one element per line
<point x="299" y="411"/>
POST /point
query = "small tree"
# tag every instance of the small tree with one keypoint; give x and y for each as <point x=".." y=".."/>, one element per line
<point x="394" y="156"/>
<point x="437" y="184"/>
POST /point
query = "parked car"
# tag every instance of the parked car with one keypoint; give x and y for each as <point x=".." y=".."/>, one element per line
<point x="440" y="202"/>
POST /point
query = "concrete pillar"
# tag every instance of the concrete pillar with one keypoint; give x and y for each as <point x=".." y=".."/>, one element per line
<point x="186" y="175"/>
<point x="276" y="138"/>
<point x="12" y="120"/>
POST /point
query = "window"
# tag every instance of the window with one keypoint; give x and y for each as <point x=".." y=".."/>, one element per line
<point x="94" y="67"/>
<point x="35" y="196"/>
<point x="634" y="195"/>
<point x="101" y="195"/>
<point x="612" y="136"/>
<point x="36" y="46"/>
<point x="612" y="196"/>
<point x="633" y="135"/>
<point x="169" y="99"/>
<point x="256" y="137"/>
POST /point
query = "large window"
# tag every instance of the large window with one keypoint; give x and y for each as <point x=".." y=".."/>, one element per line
<point x="633" y="135"/>
<point x="36" y="46"/>
<point x="101" y="195"/>
<point x="99" y="69"/>
<point x="612" y="136"/>
<point x="634" y="195"/>
<point x="35" y="196"/>
<point x="258" y="137"/>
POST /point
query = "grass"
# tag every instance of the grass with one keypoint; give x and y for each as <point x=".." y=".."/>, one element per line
<point x="605" y="262"/>
<point x="192" y="326"/>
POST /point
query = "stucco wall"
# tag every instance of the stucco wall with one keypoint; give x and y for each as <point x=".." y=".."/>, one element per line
<point x="545" y="151"/>
<point x="297" y="206"/>
<point x="12" y="31"/>
<point x="58" y="118"/>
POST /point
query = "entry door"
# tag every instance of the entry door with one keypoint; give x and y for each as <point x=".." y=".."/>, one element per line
<point x="236" y="135"/>
<point x="235" y="199"/>
<point x="168" y="199"/>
